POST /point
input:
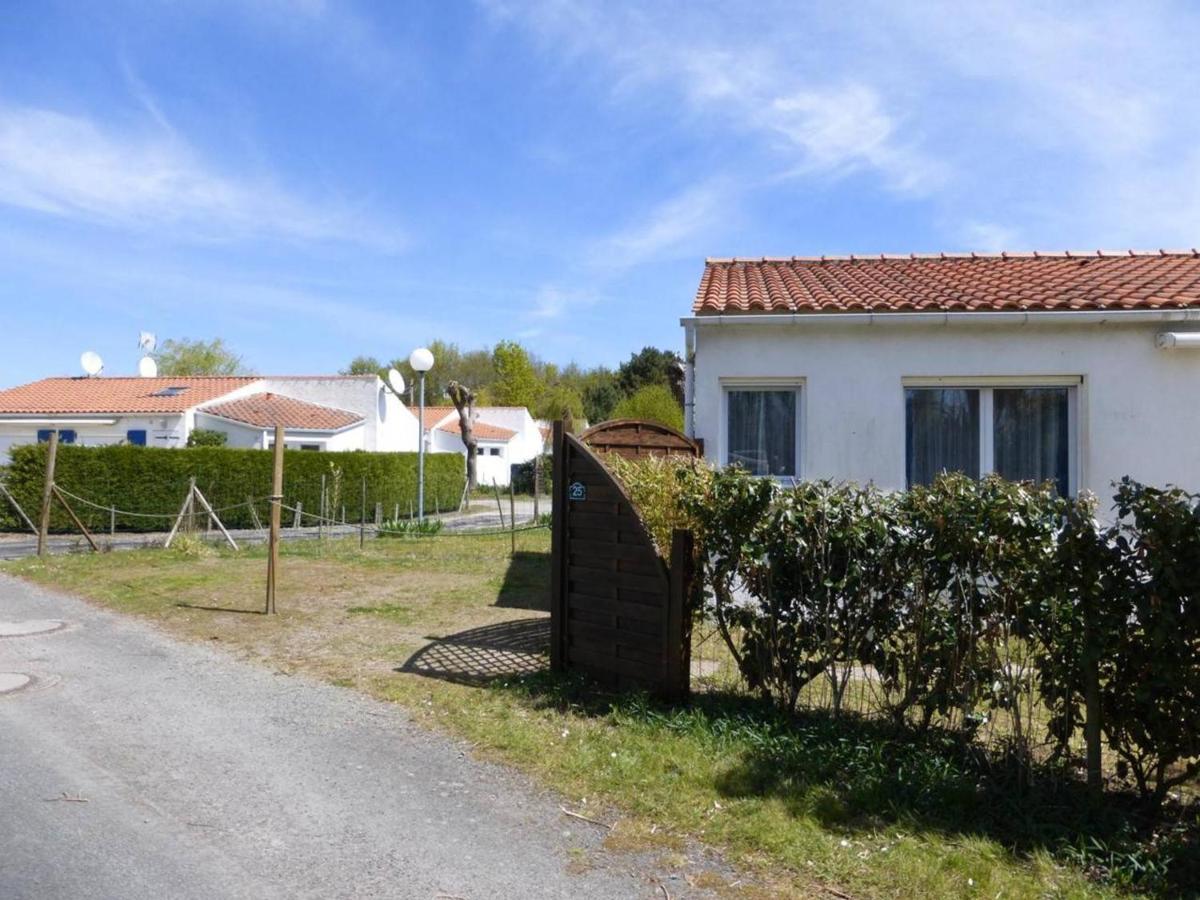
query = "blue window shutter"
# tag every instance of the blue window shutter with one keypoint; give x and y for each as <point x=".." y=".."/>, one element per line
<point x="136" y="436"/>
<point x="43" y="435"/>
<point x="66" y="435"/>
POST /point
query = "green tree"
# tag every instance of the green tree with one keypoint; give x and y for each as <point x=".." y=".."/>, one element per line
<point x="516" y="381"/>
<point x="365" y="365"/>
<point x="470" y="368"/>
<point x="207" y="437"/>
<point x="652" y="366"/>
<point x="654" y="403"/>
<point x="199" y="357"/>
<point x="557" y="401"/>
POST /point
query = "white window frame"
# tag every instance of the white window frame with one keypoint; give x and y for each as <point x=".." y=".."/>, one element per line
<point x="987" y="385"/>
<point x="767" y="383"/>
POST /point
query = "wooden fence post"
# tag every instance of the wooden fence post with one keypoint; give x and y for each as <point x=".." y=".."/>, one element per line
<point x="321" y="517"/>
<point x="362" y="516"/>
<point x="17" y="506"/>
<point x="276" y="509"/>
<point x="675" y="654"/>
<point x="47" y="493"/>
<point x="512" y="516"/>
<point x="558" y="537"/>
<point x="537" y="483"/>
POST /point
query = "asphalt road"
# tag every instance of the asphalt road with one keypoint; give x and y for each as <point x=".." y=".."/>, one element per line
<point x="209" y="777"/>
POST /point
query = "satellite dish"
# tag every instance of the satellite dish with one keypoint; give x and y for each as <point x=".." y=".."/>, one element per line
<point x="147" y="341"/>
<point x="91" y="362"/>
<point x="396" y="381"/>
<point x="147" y="367"/>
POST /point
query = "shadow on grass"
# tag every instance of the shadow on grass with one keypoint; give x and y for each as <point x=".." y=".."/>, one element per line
<point x="526" y="582"/>
<point x="482" y="655"/>
<point x="228" y="609"/>
<point x="855" y="775"/>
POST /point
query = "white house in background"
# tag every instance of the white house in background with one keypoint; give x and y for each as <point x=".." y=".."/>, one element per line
<point x="1078" y="368"/>
<point x="321" y="412"/>
<point x="504" y="436"/>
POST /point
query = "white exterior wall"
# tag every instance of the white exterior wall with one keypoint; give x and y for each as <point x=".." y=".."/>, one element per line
<point x="1138" y="408"/>
<point x="95" y="431"/>
<point x="387" y="423"/>
<point x="494" y="469"/>
<point x="527" y="442"/>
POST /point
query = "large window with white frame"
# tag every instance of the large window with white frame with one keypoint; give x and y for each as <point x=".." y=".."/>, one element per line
<point x="762" y="428"/>
<point x="1020" y="431"/>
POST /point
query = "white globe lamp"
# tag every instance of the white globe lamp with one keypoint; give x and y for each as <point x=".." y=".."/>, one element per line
<point x="421" y="361"/>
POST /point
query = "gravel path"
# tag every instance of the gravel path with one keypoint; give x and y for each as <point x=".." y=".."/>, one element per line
<point x="208" y="777"/>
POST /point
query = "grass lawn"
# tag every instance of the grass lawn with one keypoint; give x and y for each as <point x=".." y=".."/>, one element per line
<point x="453" y="629"/>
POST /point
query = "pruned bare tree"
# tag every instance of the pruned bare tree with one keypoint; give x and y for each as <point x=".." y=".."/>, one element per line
<point x="463" y="399"/>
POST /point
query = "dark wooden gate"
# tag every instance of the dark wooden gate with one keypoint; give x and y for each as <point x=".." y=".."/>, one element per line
<point x="616" y="606"/>
<point x="635" y="438"/>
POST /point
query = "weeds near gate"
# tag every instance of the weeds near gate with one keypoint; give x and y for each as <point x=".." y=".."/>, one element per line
<point x="872" y="784"/>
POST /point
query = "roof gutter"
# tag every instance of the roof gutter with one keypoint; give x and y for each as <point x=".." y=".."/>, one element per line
<point x="55" y="420"/>
<point x="1050" y="317"/>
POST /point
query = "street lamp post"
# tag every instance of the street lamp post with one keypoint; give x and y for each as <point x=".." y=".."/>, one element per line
<point x="421" y="361"/>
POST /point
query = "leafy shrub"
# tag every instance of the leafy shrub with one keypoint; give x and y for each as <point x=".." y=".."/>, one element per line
<point x="154" y="480"/>
<point x="521" y="474"/>
<point x="666" y="490"/>
<point x="207" y="437"/>
<point x="652" y="403"/>
<point x="975" y="554"/>
<point x="411" y="528"/>
<point x="965" y="598"/>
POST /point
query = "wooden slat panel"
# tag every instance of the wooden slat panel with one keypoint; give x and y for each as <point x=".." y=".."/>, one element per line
<point x="604" y="636"/>
<point x="618" y="606"/>
<point x="595" y="616"/>
<point x="619" y="579"/>
<point x="629" y="551"/>
<point x="587" y="656"/>
<point x="604" y="521"/>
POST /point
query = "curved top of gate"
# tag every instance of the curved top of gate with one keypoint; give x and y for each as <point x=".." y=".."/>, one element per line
<point x="635" y="438"/>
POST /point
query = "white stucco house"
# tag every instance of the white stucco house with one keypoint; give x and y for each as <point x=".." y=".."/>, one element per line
<point x="1078" y="368"/>
<point x="323" y="412"/>
<point x="504" y="436"/>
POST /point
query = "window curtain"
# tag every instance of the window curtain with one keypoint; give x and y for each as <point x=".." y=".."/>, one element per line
<point x="1031" y="435"/>
<point x="942" y="432"/>
<point x="762" y="431"/>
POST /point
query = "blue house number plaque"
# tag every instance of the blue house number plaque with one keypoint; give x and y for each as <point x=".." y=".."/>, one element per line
<point x="577" y="490"/>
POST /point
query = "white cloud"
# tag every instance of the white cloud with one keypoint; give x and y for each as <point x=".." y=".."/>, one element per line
<point x="818" y="123"/>
<point x="70" y="167"/>
<point x="673" y="227"/>
<point x="1073" y="124"/>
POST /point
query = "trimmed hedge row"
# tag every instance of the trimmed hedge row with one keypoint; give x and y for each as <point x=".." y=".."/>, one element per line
<point x="155" y="480"/>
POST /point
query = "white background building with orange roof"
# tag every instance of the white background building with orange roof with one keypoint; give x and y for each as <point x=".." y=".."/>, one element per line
<point x="333" y="412"/>
<point x="505" y="436"/>
<point x="1078" y="368"/>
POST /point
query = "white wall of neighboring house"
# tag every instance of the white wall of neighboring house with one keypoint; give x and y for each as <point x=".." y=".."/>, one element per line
<point x="166" y="430"/>
<point x="241" y="435"/>
<point x="1136" y="408"/>
<point x="495" y="458"/>
<point x="388" y="426"/>
<point x="492" y="463"/>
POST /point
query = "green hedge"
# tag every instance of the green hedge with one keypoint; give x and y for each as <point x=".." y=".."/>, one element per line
<point x="155" y="480"/>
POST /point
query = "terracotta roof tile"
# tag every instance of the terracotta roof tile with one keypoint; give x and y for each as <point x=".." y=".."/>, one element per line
<point x="484" y="431"/>
<point x="265" y="410"/>
<point x="435" y="414"/>
<point x="84" y="396"/>
<point x="1034" y="282"/>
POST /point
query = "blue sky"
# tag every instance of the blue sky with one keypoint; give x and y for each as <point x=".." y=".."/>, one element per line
<point x="312" y="180"/>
